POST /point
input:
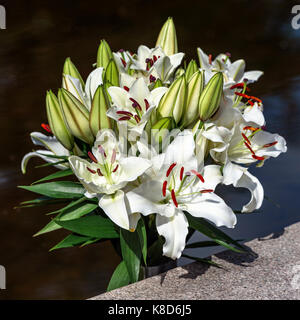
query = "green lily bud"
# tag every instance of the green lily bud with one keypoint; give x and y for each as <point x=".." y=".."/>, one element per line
<point x="98" y="118"/>
<point x="56" y="121"/>
<point x="173" y="102"/>
<point x="162" y="127"/>
<point x="211" y="96"/>
<point x="70" y="69"/>
<point x="76" y="116"/>
<point x="104" y="54"/>
<point x="195" y="88"/>
<point x="179" y="72"/>
<point x="167" y="38"/>
<point x="191" y="69"/>
<point x="111" y="74"/>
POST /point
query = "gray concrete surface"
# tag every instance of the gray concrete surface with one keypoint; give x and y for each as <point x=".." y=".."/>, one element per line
<point x="271" y="271"/>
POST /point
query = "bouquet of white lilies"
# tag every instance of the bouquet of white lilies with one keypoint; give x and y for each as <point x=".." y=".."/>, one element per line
<point x="144" y="143"/>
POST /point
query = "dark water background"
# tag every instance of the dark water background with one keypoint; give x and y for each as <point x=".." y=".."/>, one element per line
<point x="41" y="34"/>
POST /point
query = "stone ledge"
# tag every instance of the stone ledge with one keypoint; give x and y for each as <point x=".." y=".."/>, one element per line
<point x="267" y="273"/>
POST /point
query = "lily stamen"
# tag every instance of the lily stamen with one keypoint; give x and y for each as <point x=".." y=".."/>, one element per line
<point x="135" y="104"/>
<point x="92" y="157"/>
<point x="164" y="188"/>
<point x="181" y="173"/>
<point x="116" y="168"/>
<point x="207" y="191"/>
<point x="102" y="151"/>
<point x="174" y="198"/>
<point x="126" y="88"/>
<point x="247" y="140"/>
<point x="210" y="58"/>
<point x="125" y="118"/>
<point x="170" y="169"/>
<point x="90" y="170"/>
<point x="99" y="173"/>
<point x="126" y="113"/>
<point x="270" y="144"/>
<point x="196" y="173"/>
<point x="46" y="127"/>
<point x="147" y="105"/>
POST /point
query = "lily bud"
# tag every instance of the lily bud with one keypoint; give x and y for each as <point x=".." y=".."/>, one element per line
<point x="162" y="127"/>
<point x="71" y="70"/>
<point x="191" y="69"/>
<point x="173" y="102"/>
<point x="195" y="88"/>
<point x="76" y="116"/>
<point x="167" y="38"/>
<point x="98" y="118"/>
<point x="104" y="54"/>
<point x="56" y="121"/>
<point x="73" y="85"/>
<point x="211" y="96"/>
<point x="111" y="74"/>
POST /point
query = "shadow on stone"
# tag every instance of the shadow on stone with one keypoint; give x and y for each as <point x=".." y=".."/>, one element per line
<point x="195" y="269"/>
<point x="274" y="235"/>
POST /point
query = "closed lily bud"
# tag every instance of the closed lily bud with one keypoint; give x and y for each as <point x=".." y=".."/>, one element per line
<point x="111" y="74"/>
<point x="161" y="128"/>
<point x="191" y="69"/>
<point x="211" y="96"/>
<point x="173" y="102"/>
<point x="56" y="121"/>
<point x="195" y="88"/>
<point x="167" y="38"/>
<point x="104" y="54"/>
<point x="73" y="85"/>
<point x="76" y="116"/>
<point x="98" y="117"/>
<point x="71" y="70"/>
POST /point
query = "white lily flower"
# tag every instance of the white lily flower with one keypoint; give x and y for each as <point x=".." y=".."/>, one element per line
<point x="133" y="106"/>
<point x="233" y="72"/>
<point x="154" y="63"/>
<point x="74" y="86"/>
<point x="177" y="188"/>
<point x="53" y="146"/>
<point x="107" y="174"/>
<point x="122" y="59"/>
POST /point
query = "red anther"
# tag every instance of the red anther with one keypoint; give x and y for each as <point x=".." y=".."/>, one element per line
<point x="135" y="104"/>
<point x="92" y="157"/>
<point x="174" y="198"/>
<point x="270" y="144"/>
<point x="254" y="156"/>
<point x="207" y="191"/>
<point x="101" y="150"/>
<point x="247" y="140"/>
<point x="123" y="62"/>
<point x="210" y="58"/>
<point x="147" y="105"/>
<point x="198" y="175"/>
<point x="124" y="118"/>
<point x="251" y="103"/>
<point x="239" y="85"/>
<point x="152" y="78"/>
<point x="181" y="173"/>
<point x="256" y="99"/>
<point x="247" y="145"/>
<point x="242" y="95"/>
<point x="125" y="113"/>
<point x="250" y="128"/>
<point x="164" y="188"/>
<point x="116" y="168"/>
<point x="46" y="127"/>
<point x="228" y="54"/>
<point x="91" y="171"/>
<point x="137" y="118"/>
<point x="170" y="169"/>
<point x="99" y="172"/>
<point x="155" y="58"/>
<point x="126" y="88"/>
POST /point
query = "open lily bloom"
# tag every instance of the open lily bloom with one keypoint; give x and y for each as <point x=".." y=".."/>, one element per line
<point x="179" y="187"/>
<point x="107" y="173"/>
<point x="133" y="106"/>
<point x="154" y="63"/>
<point x="234" y="72"/>
<point x="53" y="146"/>
<point x="85" y="96"/>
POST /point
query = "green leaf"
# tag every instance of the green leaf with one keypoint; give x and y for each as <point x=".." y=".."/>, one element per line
<point x="202" y="244"/>
<point x="56" y="175"/>
<point x="58" y="189"/>
<point x="131" y="253"/>
<point x="42" y="201"/>
<point x="207" y="261"/>
<point x="71" y="204"/>
<point x="92" y="226"/>
<point x="213" y="232"/>
<point x="70" y="214"/>
<point x="70" y="241"/>
<point x="120" y="277"/>
<point x="141" y="230"/>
